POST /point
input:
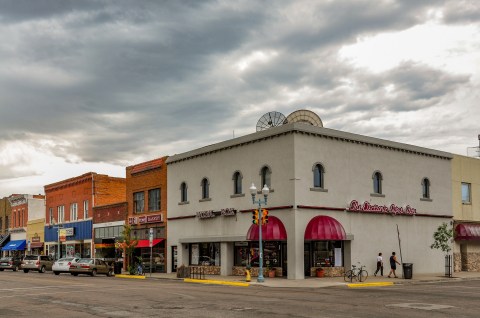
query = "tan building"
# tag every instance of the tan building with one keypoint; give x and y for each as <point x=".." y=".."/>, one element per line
<point x="5" y="213"/>
<point x="336" y="198"/>
<point x="466" y="211"/>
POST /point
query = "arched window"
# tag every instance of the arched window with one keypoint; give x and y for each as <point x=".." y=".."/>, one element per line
<point x="266" y="176"/>
<point x="426" y="188"/>
<point x="205" y="188"/>
<point x="318" y="176"/>
<point x="183" y="192"/>
<point x="377" y="182"/>
<point x="237" y="182"/>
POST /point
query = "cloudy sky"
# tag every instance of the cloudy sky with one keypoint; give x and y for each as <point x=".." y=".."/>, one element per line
<point x="99" y="85"/>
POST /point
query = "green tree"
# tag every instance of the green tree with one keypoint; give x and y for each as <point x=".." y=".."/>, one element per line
<point x="127" y="245"/>
<point x="442" y="238"/>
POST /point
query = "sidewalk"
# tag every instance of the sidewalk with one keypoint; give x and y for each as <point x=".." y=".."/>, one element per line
<point x="314" y="282"/>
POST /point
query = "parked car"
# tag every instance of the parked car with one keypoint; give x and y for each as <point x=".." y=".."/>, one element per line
<point x="63" y="265"/>
<point x="39" y="263"/>
<point x="10" y="262"/>
<point x="91" y="267"/>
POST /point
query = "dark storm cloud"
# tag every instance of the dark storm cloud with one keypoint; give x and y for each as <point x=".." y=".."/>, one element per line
<point x="110" y="80"/>
<point x="465" y="11"/>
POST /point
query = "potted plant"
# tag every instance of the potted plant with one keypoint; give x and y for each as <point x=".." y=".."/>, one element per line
<point x="271" y="271"/>
<point x="320" y="272"/>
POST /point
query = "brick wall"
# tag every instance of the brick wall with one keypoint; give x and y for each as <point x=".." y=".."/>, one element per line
<point x="5" y="211"/>
<point x="110" y="213"/>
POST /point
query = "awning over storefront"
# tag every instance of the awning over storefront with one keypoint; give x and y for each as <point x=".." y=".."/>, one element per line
<point x="36" y="245"/>
<point x="467" y="232"/>
<point x="274" y="230"/>
<point x="146" y="243"/>
<point x="18" y="245"/>
<point x="323" y="227"/>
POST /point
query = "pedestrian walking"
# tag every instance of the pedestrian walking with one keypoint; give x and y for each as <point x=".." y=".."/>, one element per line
<point x="379" y="265"/>
<point x="393" y="265"/>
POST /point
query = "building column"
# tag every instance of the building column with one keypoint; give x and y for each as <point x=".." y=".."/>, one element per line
<point x="226" y="258"/>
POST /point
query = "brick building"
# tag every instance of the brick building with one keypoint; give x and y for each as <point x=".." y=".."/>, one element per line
<point x="24" y="207"/>
<point x="108" y="226"/>
<point x="147" y="209"/>
<point x="69" y="208"/>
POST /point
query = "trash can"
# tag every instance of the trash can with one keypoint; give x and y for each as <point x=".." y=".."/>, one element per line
<point x="407" y="270"/>
<point x="117" y="267"/>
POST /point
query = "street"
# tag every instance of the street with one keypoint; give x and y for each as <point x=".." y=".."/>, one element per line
<point x="47" y="295"/>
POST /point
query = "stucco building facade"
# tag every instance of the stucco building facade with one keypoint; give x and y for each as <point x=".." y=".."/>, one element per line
<point x="335" y="199"/>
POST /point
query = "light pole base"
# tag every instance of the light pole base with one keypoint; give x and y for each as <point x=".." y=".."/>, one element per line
<point x="260" y="279"/>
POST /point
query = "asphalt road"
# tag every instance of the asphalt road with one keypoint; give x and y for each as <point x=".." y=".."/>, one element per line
<point x="47" y="295"/>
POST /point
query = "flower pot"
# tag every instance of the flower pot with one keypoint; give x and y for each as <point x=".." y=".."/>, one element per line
<point x="320" y="272"/>
<point x="271" y="273"/>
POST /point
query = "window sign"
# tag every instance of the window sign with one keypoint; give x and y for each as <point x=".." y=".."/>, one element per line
<point x="195" y="254"/>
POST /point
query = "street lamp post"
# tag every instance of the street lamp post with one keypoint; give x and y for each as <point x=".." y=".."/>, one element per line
<point x="253" y="192"/>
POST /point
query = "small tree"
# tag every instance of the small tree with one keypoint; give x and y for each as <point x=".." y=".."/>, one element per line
<point x="127" y="245"/>
<point x="442" y="238"/>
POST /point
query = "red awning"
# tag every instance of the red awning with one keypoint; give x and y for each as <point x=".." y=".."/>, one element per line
<point x="36" y="245"/>
<point x="467" y="232"/>
<point x="274" y="230"/>
<point x="322" y="228"/>
<point x="146" y="243"/>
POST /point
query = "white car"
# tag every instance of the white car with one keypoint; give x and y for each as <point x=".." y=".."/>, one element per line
<point x="63" y="265"/>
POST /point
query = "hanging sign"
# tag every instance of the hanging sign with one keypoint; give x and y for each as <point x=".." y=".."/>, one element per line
<point x="381" y="209"/>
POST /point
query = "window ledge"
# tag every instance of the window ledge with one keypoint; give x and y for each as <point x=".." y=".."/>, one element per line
<point x="205" y="200"/>
<point x="467" y="203"/>
<point x="238" y="195"/>
<point x="378" y="195"/>
<point x="183" y="203"/>
<point x="260" y="191"/>
<point x="426" y="199"/>
<point x="318" y="189"/>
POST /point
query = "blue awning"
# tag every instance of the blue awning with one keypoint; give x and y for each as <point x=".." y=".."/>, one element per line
<point x="18" y="245"/>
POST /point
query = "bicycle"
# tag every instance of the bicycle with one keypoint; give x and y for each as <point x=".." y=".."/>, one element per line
<point x="359" y="273"/>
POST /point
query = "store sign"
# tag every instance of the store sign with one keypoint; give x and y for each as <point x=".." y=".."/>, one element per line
<point x="36" y="239"/>
<point x="154" y="218"/>
<point x="205" y="214"/>
<point x="70" y="231"/>
<point x="381" y="209"/>
<point x="211" y="214"/>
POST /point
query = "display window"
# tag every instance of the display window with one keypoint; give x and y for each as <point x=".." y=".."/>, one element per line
<point x="205" y="254"/>
<point x="248" y="254"/>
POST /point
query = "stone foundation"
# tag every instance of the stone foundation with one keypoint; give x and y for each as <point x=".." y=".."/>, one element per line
<point x="240" y="271"/>
<point x="471" y="262"/>
<point x="329" y="271"/>
<point x="210" y="270"/>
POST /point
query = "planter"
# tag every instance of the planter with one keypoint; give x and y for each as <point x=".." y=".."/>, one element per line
<point x="320" y="272"/>
<point x="271" y="273"/>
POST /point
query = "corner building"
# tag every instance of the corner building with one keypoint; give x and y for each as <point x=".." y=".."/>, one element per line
<point x="336" y="198"/>
<point x="69" y="212"/>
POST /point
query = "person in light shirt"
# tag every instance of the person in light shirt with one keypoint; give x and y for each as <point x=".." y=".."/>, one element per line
<point x="379" y="264"/>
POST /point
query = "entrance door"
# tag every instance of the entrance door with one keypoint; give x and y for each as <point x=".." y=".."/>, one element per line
<point x="306" y="259"/>
<point x="284" y="259"/>
<point x="174" y="258"/>
<point x="463" y="257"/>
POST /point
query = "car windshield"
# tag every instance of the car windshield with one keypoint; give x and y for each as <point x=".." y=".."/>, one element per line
<point x="5" y="259"/>
<point x="31" y="257"/>
<point x="68" y="259"/>
<point x="85" y="260"/>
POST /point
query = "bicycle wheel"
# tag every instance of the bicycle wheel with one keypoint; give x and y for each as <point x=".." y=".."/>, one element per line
<point x="363" y="275"/>
<point x="348" y="276"/>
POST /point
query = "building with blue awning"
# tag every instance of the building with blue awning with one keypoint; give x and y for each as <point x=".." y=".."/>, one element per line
<point x="18" y="245"/>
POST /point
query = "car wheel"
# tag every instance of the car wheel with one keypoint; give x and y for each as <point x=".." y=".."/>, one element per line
<point x="42" y="269"/>
<point x="94" y="272"/>
<point x="75" y="274"/>
<point x="15" y="268"/>
<point x="1" y="269"/>
<point x="56" y="273"/>
<point x="109" y="274"/>
<point x="25" y="270"/>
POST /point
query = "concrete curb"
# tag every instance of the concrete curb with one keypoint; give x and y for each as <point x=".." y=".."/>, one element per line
<point x="215" y="282"/>
<point x="130" y="276"/>
<point x="358" y="285"/>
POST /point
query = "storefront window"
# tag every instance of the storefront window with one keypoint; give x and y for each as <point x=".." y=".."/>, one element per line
<point x="248" y="254"/>
<point x="326" y="253"/>
<point x="205" y="254"/>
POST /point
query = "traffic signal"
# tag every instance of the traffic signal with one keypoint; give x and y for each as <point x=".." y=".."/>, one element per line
<point x="255" y="217"/>
<point x="264" y="216"/>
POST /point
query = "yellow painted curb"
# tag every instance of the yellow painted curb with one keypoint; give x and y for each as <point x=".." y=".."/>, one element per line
<point x="215" y="282"/>
<point x="370" y="284"/>
<point x="130" y="276"/>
